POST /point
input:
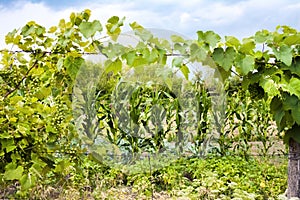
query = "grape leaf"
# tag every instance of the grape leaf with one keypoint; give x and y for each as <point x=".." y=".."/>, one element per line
<point x="27" y="181"/>
<point x="246" y="64"/>
<point x="72" y="65"/>
<point x="13" y="173"/>
<point x="290" y="101"/>
<point x="185" y="71"/>
<point x="225" y="59"/>
<point x="292" y="133"/>
<point x="293" y="86"/>
<point x="114" y="66"/>
<point x="262" y="36"/>
<point x="8" y="144"/>
<point x="292" y="39"/>
<point x="15" y="99"/>
<point x="177" y="39"/>
<point x="284" y="54"/>
<point x="296" y="113"/>
<point x="140" y="31"/>
<point x="197" y="53"/>
<point x="269" y="87"/>
<point x="89" y="29"/>
<point x="277" y="110"/>
<point x="177" y="61"/>
<point x="232" y="41"/>
<point x="295" y="67"/>
<point x="209" y="37"/>
<point x="113" y="27"/>
<point x="247" y="46"/>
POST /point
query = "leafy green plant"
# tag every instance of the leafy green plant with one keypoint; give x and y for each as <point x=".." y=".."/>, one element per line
<point x="37" y="129"/>
<point x="224" y="177"/>
<point x="247" y="127"/>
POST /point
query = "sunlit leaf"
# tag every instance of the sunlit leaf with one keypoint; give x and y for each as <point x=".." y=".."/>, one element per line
<point x="27" y="181"/>
<point x="209" y="37"/>
<point x="269" y="87"/>
<point x="294" y="86"/>
<point x="284" y="54"/>
<point x="72" y="65"/>
<point x="197" y="53"/>
<point x="292" y="40"/>
<point x="114" y="66"/>
<point x="247" y="47"/>
<point x="113" y="27"/>
<point x="140" y="31"/>
<point x="12" y="173"/>
<point x="224" y="59"/>
<point x="89" y="29"/>
<point x="177" y="38"/>
<point x="185" y="71"/>
<point x="232" y="41"/>
<point x="262" y="36"/>
<point x="177" y="61"/>
<point x="246" y="64"/>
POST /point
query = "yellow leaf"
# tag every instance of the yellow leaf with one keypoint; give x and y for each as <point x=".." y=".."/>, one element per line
<point x="13" y="119"/>
<point x="52" y="29"/>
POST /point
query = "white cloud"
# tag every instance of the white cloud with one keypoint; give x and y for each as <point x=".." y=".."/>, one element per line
<point x="220" y="14"/>
<point x="18" y="16"/>
<point x="185" y="17"/>
<point x="239" y="18"/>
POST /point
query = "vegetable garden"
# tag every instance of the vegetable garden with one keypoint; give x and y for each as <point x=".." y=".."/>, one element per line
<point x="90" y="112"/>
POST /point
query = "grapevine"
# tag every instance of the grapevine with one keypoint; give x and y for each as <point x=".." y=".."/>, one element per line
<point x="36" y="90"/>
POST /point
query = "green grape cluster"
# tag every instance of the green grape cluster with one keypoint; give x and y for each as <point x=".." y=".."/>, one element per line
<point x="256" y="91"/>
<point x="35" y="83"/>
<point x="4" y="77"/>
<point x="60" y="113"/>
<point x="31" y="85"/>
<point x="9" y="77"/>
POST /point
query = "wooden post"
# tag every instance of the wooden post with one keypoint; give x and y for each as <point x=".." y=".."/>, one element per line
<point x="293" y="170"/>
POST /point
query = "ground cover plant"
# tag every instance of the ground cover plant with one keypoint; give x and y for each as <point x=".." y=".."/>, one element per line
<point x="226" y="177"/>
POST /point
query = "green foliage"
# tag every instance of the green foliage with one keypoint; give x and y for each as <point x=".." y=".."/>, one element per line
<point x="269" y="72"/>
<point x="224" y="58"/>
<point x="248" y="124"/>
<point x="224" y="177"/>
<point x="272" y="68"/>
<point x="37" y="128"/>
<point x="46" y="132"/>
<point x="210" y="178"/>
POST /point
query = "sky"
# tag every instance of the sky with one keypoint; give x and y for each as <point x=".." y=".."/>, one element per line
<point x="240" y="18"/>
